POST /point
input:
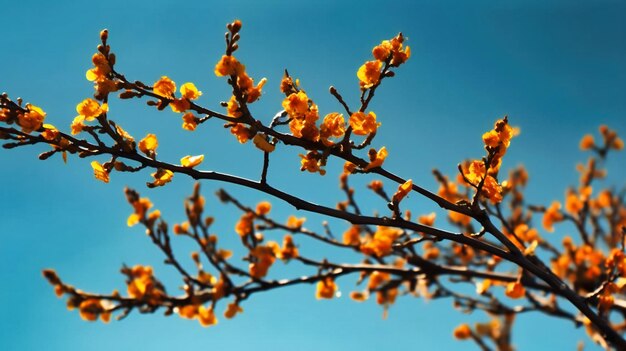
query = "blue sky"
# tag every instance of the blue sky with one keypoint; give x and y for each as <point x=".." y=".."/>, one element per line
<point x="557" y="69"/>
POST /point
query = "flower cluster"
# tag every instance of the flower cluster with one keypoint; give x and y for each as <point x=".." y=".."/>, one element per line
<point x="29" y="119"/>
<point x="102" y="72"/>
<point x="304" y="114"/>
<point x="380" y="244"/>
<point x="142" y="285"/>
<point x="481" y="174"/>
<point x="244" y="89"/>
<point x="165" y="90"/>
<point x="497" y="141"/>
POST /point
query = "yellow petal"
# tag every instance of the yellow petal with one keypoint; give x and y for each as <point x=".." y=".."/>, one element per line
<point x="531" y="248"/>
<point x="99" y="172"/>
<point x="189" y="91"/>
<point x="262" y="143"/>
<point x="403" y="191"/>
<point x="149" y="143"/>
<point x="191" y="161"/>
<point x="132" y="220"/>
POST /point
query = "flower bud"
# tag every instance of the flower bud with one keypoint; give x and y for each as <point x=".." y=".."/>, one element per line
<point x="104" y="35"/>
<point x="235" y="26"/>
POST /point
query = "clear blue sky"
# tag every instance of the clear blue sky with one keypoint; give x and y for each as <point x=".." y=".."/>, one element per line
<point x="558" y="70"/>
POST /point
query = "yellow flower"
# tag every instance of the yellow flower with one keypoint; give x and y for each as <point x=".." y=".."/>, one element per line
<point x="180" y="105"/>
<point x="358" y="296"/>
<point x="191" y="161"/>
<point x="132" y="220"/>
<point x="491" y="138"/>
<point x="228" y="66"/>
<point x="260" y="141"/>
<point x="587" y="142"/>
<point x="403" y="190"/>
<point x="573" y="203"/>
<point x="376" y="158"/>
<point x="101" y="68"/>
<point x="188" y="311"/>
<point x="376" y="185"/>
<point x="427" y="219"/>
<point x="232" y="310"/>
<point x="400" y="55"/>
<point x="190" y="122"/>
<point x="254" y="93"/>
<point x="386" y="297"/>
<point x="77" y="125"/>
<point x="149" y="144"/>
<point x="5" y="114"/>
<point x="98" y="59"/>
<point x="99" y="172"/>
<point x="263" y="208"/>
<point x="326" y="288"/>
<point x="244" y="81"/>
<point x="552" y="215"/>
<point x="311" y="162"/>
<point x="143" y="285"/>
<point x="243" y="227"/>
<point x="294" y="222"/>
<point x="363" y="124"/>
<point x="206" y="316"/>
<point x="50" y="133"/>
<point x="515" y="290"/>
<point x="90" y="309"/>
<point x="483" y="286"/>
<point x="448" y="191"/>
<point x="352" y="236"/>
<point x="464" y="252"/>
<point x="605" y="198"/>
<point x="382" y="51"/>
<point x="431" y="252"/>
<point x="369" y="74"/>
<point x="232" y="107"/>
<point x="392" y="48"/>
<point x="462" y="332"/>
<point x="376" y="279"/>
<point x="219" y="290"/>
<point x="381" y="243"/>
<point x="296" y="104"/>
<point x="32" y="119"/>
<point x="182" y="228"/>
<point x="459" y="218"/>
<point x="164" y="87"/>
<point x="524" y="233"/>
<point x="348" y="168"/>
<point x="124" y="134"/>
<point x="286" y="85"/>
<point x="104" y="87"/>
<point x="161" y="177"/>
<point x="224" y="254"/>
<point x="263" y="258"/>
<point x="289" y="249"/>
<point x="240" y="131"/>
<point x="498" y="140"/>
<point x="189" y="91"/>
<point x="502" y="133"/>
<point x="304" y="126"/>
<point x="90" y="109"/>
<point x="333" y="125"/>
<point x="475" y="172"/>
<point x="606" y="299"/>
<point x="492" y="190"/>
